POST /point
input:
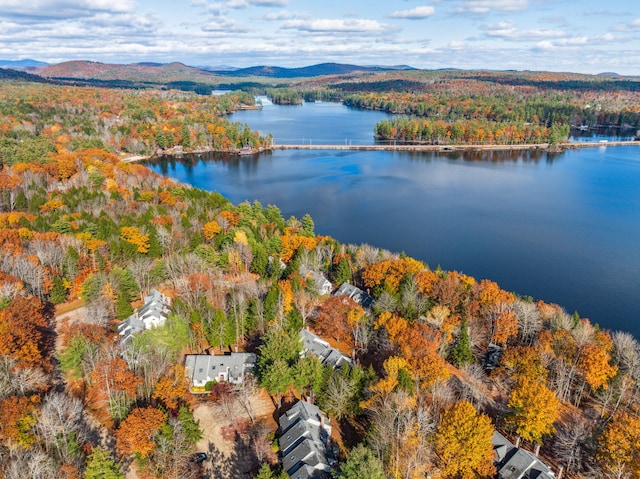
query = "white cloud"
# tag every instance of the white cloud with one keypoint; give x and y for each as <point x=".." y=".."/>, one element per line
<point x="487" y="6"/>
<point x="417" y="13"/>
<point x="508" y="31"/>
<point x="223" y="25"/>
<point x="632" y="26"/>
<point x="62" y="9"/>
<point x="257" y="3"/>
<point x="280" y="15"/>
<point x="327" y="25"/>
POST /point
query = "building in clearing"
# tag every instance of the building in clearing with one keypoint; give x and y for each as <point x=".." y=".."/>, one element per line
<point x="305" y="442"/>
<point x="152" y="314"/>
<point x="201" y="369"/>
<point x="359" y="296"/>
<point x="316" y="346"/>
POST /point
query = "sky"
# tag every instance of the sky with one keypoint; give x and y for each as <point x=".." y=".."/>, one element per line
<point x="584" y="36"/>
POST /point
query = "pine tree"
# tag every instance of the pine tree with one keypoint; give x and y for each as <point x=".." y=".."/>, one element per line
<point x="100" y="465"/>
<point x="362" y="462"/>
<point x="343" y="271"/>
<point x="461" y="354"/>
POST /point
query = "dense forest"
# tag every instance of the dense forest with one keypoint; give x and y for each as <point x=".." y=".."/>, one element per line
<point x="36" y="120"/>
<point x="78" y="227"/>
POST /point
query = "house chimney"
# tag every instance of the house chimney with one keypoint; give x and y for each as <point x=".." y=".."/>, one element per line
<point x="517" y="444"/>
<point x="322" y="421"/>
<point x="536" y="450"/>
<point x="560" y="471"/>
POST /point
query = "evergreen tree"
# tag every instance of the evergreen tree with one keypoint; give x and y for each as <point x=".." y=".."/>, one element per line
<point x="343" y="272"/>
<point x="100" y="465"/>
<point x="161" y="139"/>
<point x="186" y="136"/>
<point x="461" y="354"/>
<point x="58" y="292"/>
<point x="308" y="225"/>
<point x="362" y="462"/>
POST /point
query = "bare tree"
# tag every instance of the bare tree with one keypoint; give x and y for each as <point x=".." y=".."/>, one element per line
<point x="33" y="464"/>
<point x="140" y="268"/>
<point x="571" y="443"/>
<point x="19" y="381"/>
<point x="305" y="304"/>
<point x="627" y="353"/>
<point x="529" y="320"/>
<point x="62" y="428"/>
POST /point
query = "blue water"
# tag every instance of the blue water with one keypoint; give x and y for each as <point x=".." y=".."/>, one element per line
<point x="564" y="227"/>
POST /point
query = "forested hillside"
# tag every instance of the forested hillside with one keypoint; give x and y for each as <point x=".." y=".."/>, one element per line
<point x="78" y="225"/>
<point x="39" y="119"/>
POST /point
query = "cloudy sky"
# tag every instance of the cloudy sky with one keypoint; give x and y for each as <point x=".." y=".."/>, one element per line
<point x="558" y="35"/>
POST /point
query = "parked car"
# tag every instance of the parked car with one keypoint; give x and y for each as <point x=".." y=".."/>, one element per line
<point x="199" y="457"/>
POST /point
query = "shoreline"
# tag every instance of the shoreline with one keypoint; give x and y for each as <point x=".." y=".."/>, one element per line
<point x="417" y="148"/>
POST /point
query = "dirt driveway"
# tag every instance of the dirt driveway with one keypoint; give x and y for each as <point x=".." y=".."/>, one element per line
<point x="233" y="457"/>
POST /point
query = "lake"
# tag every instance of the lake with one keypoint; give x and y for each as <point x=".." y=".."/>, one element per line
<point x="561" y="227"/>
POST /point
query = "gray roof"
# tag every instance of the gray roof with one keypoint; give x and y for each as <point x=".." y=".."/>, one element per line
<point x="301" y="410"/>
<point x="308" y="472"/>
<point x="156" y="306"/>
<point x="359" y="296"/>
<point x="307" y="452"/>
<point x="314" y="344"/>
<point x="206" y="367"/>
<point x="303" y="441"/>
<point x="516" y="463"/>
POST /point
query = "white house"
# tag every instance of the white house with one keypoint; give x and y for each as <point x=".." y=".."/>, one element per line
<point x="201" y="369"/>
<point x="153" y="314"/>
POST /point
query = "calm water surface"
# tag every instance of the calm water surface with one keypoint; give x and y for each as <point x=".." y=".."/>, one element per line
<point x="564" y="228"/>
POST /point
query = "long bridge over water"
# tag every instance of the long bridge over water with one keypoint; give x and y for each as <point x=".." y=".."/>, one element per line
<point x="422" y="148"/>
<point x="438" y="148"/>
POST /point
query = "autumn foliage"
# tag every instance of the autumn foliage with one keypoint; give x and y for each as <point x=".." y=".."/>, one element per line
<point x="137" y="432"/>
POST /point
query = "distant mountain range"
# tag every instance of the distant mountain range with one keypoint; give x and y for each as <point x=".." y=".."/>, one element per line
<point x="155" y="73"/>
<point x="26" y="63"/>
<point x="305" y="72"/>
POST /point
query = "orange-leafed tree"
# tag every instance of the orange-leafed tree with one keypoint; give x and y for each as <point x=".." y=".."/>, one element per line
<point x="173" y="388"/>
<point x="210" y="230"/>
<point x="22" y="331"/>
<point x="463" y="443"/>
<point x="596" y="366"/>
<point x="136" y="434"/>
<point x="534" y="409"/>
<point x="332" y="318"/>
<point x="110" y="377"/>
<point x="17" y="419"/>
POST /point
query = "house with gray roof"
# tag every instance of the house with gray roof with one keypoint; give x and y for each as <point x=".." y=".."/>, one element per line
<point x="515" y="463"/>
<point x="323" y="285"/>
<point x="152" y="314"/>
<point x="201" y="369"/>
<point x="305" y="442"/>
<point x="359" y="296"/>
<point x="318" y="347"/>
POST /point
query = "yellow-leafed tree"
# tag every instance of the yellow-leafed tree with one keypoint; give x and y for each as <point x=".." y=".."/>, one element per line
<point x="534" y="409"/>
<point x="463" y="443"/>
<point x="620" y="446"/>
<point x="134" y="236"/>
